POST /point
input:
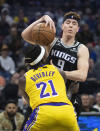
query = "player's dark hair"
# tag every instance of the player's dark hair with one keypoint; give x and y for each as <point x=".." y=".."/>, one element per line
<point x="72" y="15"/>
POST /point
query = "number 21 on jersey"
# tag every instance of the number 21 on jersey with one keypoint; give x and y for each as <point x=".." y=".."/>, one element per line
<point x="43" y="86"/>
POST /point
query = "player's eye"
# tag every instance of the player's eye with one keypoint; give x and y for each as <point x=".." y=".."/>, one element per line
<point x="68" y="22"/>
<point x="74" y="23"/>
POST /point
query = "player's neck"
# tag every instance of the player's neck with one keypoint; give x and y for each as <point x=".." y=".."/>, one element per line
<point x="68" y="41"/>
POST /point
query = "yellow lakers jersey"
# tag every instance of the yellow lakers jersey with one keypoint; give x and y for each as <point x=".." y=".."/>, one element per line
<point x="45" y="85"/>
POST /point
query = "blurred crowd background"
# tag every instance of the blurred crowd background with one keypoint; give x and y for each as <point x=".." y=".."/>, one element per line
<point x="16" y="15"/>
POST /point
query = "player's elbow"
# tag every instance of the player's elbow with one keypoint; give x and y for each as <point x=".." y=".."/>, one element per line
<point x="23" y="35"/>
<point x="83" y="77"/>
<point x="26" y="36"/>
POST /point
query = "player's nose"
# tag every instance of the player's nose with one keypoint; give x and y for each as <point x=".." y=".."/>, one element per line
<point x="70" y="24"/>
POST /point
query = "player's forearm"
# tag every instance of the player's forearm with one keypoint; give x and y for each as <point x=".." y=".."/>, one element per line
<point x="76" y="75"/>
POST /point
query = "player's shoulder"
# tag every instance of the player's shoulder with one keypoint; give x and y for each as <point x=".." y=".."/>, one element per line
<point x="29" y="72"/>
<point x="83" y="50"/>
<point x="82" y="46"/>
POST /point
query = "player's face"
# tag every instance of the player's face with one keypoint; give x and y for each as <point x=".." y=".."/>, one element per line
<point x="70" y="27"/>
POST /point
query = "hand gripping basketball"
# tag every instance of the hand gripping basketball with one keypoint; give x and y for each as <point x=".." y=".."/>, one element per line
<point x="42" y="34"/>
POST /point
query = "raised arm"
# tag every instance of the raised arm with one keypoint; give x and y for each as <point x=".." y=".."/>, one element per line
<point x="26" y="34"/>
<point x="82" y="66"/>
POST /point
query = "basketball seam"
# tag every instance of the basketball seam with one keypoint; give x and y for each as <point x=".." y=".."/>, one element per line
<point x="45" y="37"/>
<point x="44" y="31"/>
<point x="38" y="34"/>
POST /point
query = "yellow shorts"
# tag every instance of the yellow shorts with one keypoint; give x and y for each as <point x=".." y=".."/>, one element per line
<point x="52" y="117"/>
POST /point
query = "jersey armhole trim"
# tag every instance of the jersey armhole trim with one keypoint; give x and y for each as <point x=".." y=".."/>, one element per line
<point x="79" y="46"/>
<point x="54" y="42"/>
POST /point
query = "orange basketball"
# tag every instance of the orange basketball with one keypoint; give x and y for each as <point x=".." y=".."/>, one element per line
<point x="42" y="34"/>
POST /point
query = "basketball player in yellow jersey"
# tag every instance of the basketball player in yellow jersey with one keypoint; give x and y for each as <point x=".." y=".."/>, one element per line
<point x="44" y="88"/>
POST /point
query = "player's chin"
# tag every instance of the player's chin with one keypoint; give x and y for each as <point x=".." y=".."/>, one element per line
<point x="70" y="35"/>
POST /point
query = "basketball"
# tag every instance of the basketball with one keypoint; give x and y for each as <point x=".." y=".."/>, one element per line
<point x="42" y="34"/>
